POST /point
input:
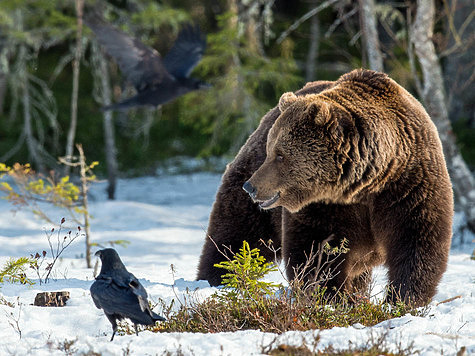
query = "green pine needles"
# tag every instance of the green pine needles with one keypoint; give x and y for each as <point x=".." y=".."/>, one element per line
<point x="14" y="271"/>
<point x="245" y="271"/>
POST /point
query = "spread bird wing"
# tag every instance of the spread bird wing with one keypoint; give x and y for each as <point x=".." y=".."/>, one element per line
<point x="141" y="64"/>
<point x="186" y="52"/>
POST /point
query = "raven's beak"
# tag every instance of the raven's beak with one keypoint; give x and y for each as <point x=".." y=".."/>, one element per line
<point x="98" y="253"/>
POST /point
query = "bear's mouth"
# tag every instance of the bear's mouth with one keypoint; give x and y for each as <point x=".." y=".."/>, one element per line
<point x="267" y="203"/>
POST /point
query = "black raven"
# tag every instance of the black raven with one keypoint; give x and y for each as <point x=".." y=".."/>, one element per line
<point x="120" y="294"/>
<point x="157" y="81"/>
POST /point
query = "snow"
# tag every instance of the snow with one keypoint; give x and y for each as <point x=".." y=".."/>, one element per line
<point x="165" y="220"/>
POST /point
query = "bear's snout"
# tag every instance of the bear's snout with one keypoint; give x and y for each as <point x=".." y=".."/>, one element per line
<point x="264" y="203"/>
<point x="250" y="189"/>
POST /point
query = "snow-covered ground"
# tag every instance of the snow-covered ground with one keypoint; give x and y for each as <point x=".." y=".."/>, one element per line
<point x="165" y="219"/>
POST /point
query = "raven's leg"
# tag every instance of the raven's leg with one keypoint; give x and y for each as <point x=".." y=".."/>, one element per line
<point x="112" y="320"/>
<point x="136" y="330"/>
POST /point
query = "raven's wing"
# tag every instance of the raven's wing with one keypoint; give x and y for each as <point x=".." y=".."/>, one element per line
<point x="96" y="289"/>
<point x="141" y="64"/>
<point x="186" y="52"/>
<point x="127" y="280"/>
<point x="119" y="300"/>
<point x="138" y="289"/>
<point x="140" y="292"/>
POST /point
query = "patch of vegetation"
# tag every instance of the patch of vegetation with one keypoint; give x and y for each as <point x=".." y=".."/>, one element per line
<point x="14" y="271"/>
<point x="30" y="189"/>
<point x="287" y="310"/>
<point x="25" y="188"/>
<point x="245" y="304"/>
<point x="3" y="301"/>
<point x="372" y="346"/>
<point x="41" y="263"/>
<point x="33" y="191"/>
<point x="68" y="347"/>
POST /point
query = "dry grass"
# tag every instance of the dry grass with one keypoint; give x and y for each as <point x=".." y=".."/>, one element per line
<point x="304" y="305"/>
<point x="371" y="346"/>
<point x="285" y="310"/>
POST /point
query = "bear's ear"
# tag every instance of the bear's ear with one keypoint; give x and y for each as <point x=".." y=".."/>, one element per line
<point x="286" y="100"/>
<point x="320" y="112"/>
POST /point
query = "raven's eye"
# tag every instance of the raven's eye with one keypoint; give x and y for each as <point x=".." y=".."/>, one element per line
<point x="279" y="158"/>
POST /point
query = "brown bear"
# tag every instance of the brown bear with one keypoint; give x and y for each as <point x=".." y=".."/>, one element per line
<point x="356" y="159"/>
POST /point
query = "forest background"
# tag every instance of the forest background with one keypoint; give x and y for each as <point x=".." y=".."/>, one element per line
<point x="54" y="77"/>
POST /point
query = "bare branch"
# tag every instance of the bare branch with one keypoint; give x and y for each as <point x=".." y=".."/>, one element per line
<point x="304" y="18"/>
<point x="74" y="97"/>
<point x="340" y="20"/>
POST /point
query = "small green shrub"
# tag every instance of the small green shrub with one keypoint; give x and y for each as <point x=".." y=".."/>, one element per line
<point x="245" y="271"/>
<point x="14" y="271"/>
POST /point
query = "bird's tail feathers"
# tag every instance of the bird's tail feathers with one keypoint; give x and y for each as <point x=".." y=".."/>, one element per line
<point x="157" y="317"/>
<point x="123" y="105"/>
<point x="143" y="303"/>
<point x="144" y="306"/>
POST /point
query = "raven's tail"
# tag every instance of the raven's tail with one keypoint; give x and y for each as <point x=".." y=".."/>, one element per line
<point x="156" y="317"/>
<point x="123" y="105"/>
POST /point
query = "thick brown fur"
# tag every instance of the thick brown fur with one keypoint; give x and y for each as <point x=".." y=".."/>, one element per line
<point x="358" y="158"/>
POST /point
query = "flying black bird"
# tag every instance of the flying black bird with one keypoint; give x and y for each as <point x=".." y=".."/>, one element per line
<point x="120" y="294"/>
<point x="157" y="81"/>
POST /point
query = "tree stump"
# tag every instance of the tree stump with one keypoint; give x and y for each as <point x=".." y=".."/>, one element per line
<point x="51" y="299"/>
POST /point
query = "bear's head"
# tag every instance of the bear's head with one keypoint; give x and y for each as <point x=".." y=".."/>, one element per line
<point x="304" y="154"/>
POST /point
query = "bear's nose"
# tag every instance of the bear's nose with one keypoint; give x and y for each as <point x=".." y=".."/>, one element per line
<point x="250" y="189"/>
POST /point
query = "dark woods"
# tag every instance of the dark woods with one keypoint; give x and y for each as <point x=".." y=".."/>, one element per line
<point x="56" y="75"/>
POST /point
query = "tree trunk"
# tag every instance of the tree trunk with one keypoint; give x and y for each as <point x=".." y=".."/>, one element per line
<point x="370" y="34"/>
<point x="312" y="48"/>
<point x="3" y="90"/>
<point x="74" y="96"/>
<point x="433" y="96"/>
<point x="85" y="203"/>
<point x="31" y="142"/>
<point x="459" y="58"/>
<point x="109" y="138"/>
<point x="253" y="43"/>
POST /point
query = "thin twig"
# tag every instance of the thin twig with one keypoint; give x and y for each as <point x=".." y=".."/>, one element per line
<point x="338" y="21"/>
<point x="15" y="322"/>
<point x="449" y="300"/>
<point x="304" y="18"/>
